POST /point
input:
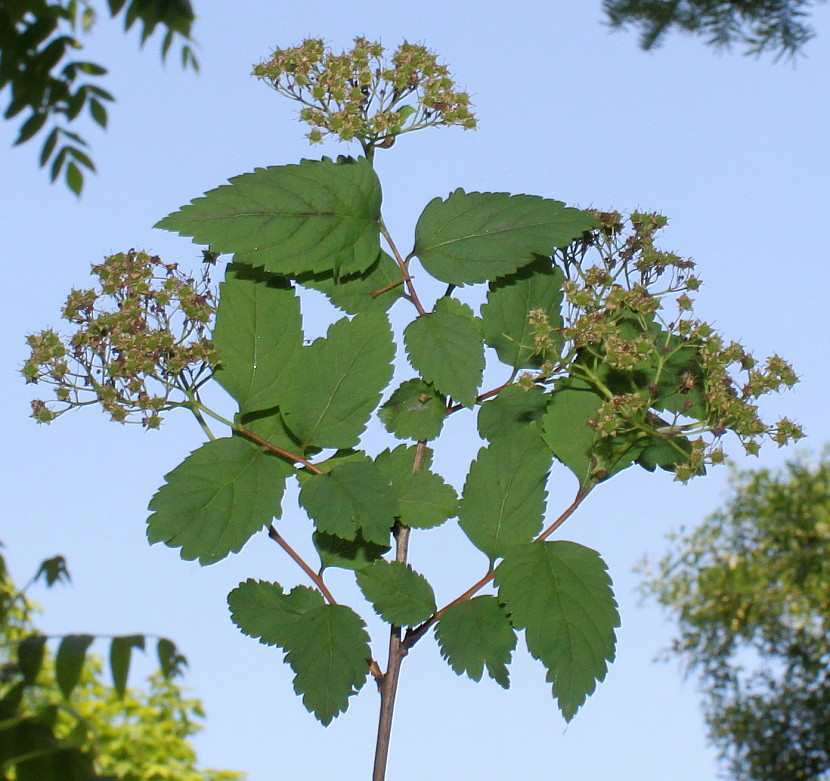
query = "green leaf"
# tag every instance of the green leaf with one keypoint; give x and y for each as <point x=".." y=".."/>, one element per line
<point x="516" y="408"/>
<point x="98" y="112"/>
<point x="473" y="237"/>
<point x="506" y="315"/>
<point x="70" y="661"/>
<point x="30" y="127"/>
<point x="665" y="452"/>
<point x="353" y="293"/>
<point x="424" y="499"/>
<point x="475" y="634"/>
<point x="315" y="217"/>
<point x="347" y="554"/>
<point x="53" y="571"/>
<point x="30" y="654"/>
<point x="171" y="662"/>
<point x="560" y="594"/>
<point x="326" y="645"/>
<point x="337" y="381"/>
<point x="221" y="494"/>
<point x="74" y="178"/>
<point x="258" y="332"/>
<point x="121" y="651"/>
<point x="503" y="501"/>
<point x="351" y="498"/>
<point x="565" y="427"/>
<point x="414" y="411"/>
<point x="399" y="595"/>
<point x="447" y="350"/>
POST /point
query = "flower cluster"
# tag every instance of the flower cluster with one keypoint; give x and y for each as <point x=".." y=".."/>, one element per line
<point x="141" y="345"/>
<point x="359" y="95"/>
<point x="661" y="378"/>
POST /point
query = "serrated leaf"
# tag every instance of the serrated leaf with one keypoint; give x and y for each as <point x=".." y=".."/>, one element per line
<point x="503" y="501"/>
<point x="516" y="408"/>
<point x="258" y="331"/>
<point x="337" y="381"/>
<point x="121" y="650"/>
<point x="171" y="662"/>
<point x="326" y="645"/>
<point x="560" y="594"/>
<point x="414" y="411"/>
<point x="446" y="349"/>
<point x="473" y="237"/>
<point x="351" y="498"/>
<point x="424" y="499"/>
<point x="399" y="595"/>
<point x="475" y="634"/>
<point x="506" y="315"/>
<point x="353" y="293"/>
<point x="314" y="217"/>
<point x="30" y="654"/>
<point x="346" y="554"/>
<point x="217" y="498"/>
<point x="69" y="661"/>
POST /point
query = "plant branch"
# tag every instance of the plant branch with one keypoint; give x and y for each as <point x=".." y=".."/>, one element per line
<point x="413" y="296"/>
<point x="388" y="683"/>
<point x="294" y="457"/>
<point x="481" y="397"/>
<point x="415" y="634"/>
<point x="316" y="579"/>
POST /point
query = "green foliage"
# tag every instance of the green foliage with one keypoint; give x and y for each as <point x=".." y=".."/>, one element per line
<point x="38" y="44"/>
<point x="560" y="594"/>
<point x="598" y="362"/>
<point x="759" y="25"/>
<point x="750" y="589"/>
<point x="59" y="721"/>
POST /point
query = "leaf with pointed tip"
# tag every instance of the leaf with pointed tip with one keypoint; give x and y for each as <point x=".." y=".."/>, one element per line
<point x="171" y="662"/>
<point x="217" y="498"/>
<point x="424" y="499"/>
<point x="473" y="237"/>
<point x="414" y="411"/>
<point x="314" y="217"/>
<point x="53" y="571"/>
<point x="503" y="502"/>
<point x="121" y="651"/>
<point x="506" y="315"/>
<point x="70" y="661"/>
<point x="515" y="408"/>
<point x="399" y="595"/>
<point x="446" y="349"/>
<point x="326" y="645"/>
<point x="30" y="653"/>
<point x="476" y="634"/>
<point x="258" y="331"/>
<point x="346" y="554"/>
<point x="560" y="594"/>
<point x="337" y="381"/>
<point x="353" y="293"/>
<point x="353" y="497"/>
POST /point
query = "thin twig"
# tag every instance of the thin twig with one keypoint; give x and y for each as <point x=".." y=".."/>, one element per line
<point x="404" y="269"/>
<point x="316" y="579"/>
<point x="481" y="397"/>
<point x="295" y="457"/>
<point x="386" y="288"/>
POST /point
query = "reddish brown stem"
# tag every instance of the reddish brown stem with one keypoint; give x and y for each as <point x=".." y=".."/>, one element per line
<point x="295" y="457"/>
<point x="410" y="287"/>
<point x="316" y="579"/>
<point x="481" y="397"/>
<point x="386" y="288"/>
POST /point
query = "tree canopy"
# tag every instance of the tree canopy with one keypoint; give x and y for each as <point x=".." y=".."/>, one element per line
<point x="750" y="590"/>
<point x="760" y="26"/>
<point x="43" y="79"/>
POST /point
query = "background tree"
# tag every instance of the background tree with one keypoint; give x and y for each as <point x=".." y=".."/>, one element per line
<point x="750" y="590"/>
<point x="60" y="721"/>
<point x="38" y="41"/>
<point x="778" y="26"/>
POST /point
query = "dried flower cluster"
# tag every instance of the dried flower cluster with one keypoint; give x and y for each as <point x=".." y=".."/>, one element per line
<point x="359" y="95"/>
<point x="141" y="346"/>
<point x="675" y="378"/>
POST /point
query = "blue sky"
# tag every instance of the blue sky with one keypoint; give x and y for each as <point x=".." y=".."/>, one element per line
<point x="733" y="150"/>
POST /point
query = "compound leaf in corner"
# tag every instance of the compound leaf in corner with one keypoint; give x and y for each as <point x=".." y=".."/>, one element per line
<point x="337" y="381"/>
<point x="69" y="661"/>
<point x="217" y="498"/>
<point x="314" y="217"/>
<point x="399" y="595"/>
<point x="258" y="331"/>
<point x="326" y="646"/>
<point x="503" y="502"/>
<point x="446" y="349"/>
<point x="473" y="237"/>
<point x="560" y="594"/>
<point x="476" y="634"/>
